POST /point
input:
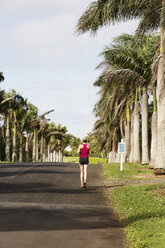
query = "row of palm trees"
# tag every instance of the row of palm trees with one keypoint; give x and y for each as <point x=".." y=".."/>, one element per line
<point x="127" y="79"/>
<point x="124" y="87"/>
<point x="27" y="136"/>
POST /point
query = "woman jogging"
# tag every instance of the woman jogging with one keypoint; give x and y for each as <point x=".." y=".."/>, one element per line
<point x="84" y="152"/>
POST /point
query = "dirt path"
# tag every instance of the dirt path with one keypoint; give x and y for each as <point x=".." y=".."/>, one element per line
<point x="145" y="179"/>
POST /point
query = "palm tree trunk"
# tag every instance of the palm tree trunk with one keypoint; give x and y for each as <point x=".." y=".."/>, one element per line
<point x="61" y="156"/>
<point x="37" y="146"/>
<point x="51" y="157"/>
<point x="48" y="152"/>
<point x="136" y="156"/>
<point x="145" y="157"/>
<point x="132" y="139"/>
<point x="121" y="128"/>
<point x="21" y="150"/>
<point x="57" y="156"/>
<point x="114" y="148"/>
<point x="110" y="157"/>
<point x="41" y="148"/>
<point x="160" y="154"/>
<point x="44" y="150"/>
<point x="14" y="153"/>
<point x="154" y="131"/>
<point x="54" y="156"/>
<point x="27" y="148"/>
<point x="7" y="148"/>
<point x="34" y="147"/>
<point x="127" y="135"/>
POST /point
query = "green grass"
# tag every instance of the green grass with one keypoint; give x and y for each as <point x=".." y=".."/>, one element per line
<point x="112" y="171"/>
<point x="91" y="160"/>
<point x="70" y="159"/>
<point x="96" y="160"/>
<point x="140" y="211"/>
<point x="142" y="214"/>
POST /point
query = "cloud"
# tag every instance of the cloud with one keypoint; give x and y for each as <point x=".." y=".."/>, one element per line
<point x="44" y="7"/>
<point x="47" y="40"/>
<point x="43" y="59"/>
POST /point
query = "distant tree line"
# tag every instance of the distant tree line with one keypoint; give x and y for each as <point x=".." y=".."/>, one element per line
<point x="27" y="136"/>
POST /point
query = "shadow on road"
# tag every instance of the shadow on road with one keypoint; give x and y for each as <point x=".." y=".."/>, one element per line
<point x="12" y="173"/>
<point x="7" y="188"/>
<point x="54" y="219"/>
<point x="39" y="164"/>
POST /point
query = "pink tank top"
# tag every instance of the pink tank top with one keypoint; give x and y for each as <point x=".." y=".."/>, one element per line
<point x="84" y="151"/>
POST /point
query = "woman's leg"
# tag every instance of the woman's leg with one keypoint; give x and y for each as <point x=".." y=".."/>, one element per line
<point x="82" y="174"/>
<point x="85" y="173"/>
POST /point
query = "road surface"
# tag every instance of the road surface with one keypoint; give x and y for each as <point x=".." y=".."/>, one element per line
<point x="43" y="206"/>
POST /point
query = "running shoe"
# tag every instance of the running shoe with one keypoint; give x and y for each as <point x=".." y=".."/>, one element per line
<point x="82" y="185"/>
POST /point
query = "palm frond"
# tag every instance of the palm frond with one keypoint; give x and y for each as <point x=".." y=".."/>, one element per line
<point x="127" y="76"/>
<point x="1" y="77"/>
<point x="46" y="113"/>
<point x="105" y="12"/>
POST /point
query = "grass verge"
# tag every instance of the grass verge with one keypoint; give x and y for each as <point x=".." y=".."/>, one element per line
<point x="141" y="209"/>
<point x="141" y="214"/>
<point x="112" y="171"/>
<point x="91" y="160"/>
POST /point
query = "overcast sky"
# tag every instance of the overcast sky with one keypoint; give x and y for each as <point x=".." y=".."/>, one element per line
<point x="43" y="59"/>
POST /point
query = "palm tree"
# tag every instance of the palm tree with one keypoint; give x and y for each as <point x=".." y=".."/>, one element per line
<point x="23" y="119"/>
<point x="136" y="152"/>
<point x="36" y="125"/>
<point x="154" y="130"/>
<point x="29" y="117"/>
<point x="122" y="54"/>
<point x="57" y="140"/>
<point x="43" y="127"/>
<point x="12" y="102"/>
<point x="152" y="16"/>
<point x="19" y="103"/>
<point x="116" y="88"/>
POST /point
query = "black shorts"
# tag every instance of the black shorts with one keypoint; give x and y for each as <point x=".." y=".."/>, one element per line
<point x="83" y="160"/>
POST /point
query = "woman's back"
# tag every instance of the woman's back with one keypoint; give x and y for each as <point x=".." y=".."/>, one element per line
<point x="84" y="151"/>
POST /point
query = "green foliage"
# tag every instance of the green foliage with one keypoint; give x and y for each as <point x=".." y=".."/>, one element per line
<point x="100" y="13"/>
<point x="95" y="145"/>
<point x="74" y="144"/>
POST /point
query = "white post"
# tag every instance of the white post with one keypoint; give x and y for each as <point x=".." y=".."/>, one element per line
<point x="121" y="162"/>
<point x="121" y="151"/>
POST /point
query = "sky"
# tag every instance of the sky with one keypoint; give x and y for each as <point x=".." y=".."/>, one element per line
<point x="45" y="61"/>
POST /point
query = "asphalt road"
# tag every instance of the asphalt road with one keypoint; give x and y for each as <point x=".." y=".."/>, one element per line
<point x="43" y="206"/>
